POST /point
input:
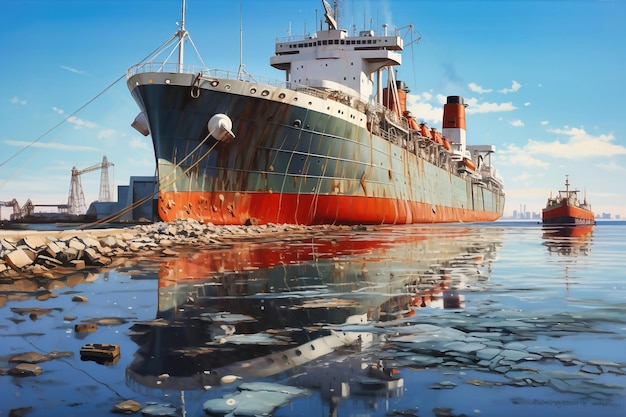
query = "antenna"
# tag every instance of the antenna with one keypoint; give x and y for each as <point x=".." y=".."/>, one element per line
<point x="242" y="71"/>
<point x="240" y="40"/>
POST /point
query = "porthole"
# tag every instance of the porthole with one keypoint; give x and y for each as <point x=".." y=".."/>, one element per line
<point x="297" y="123"/>
<point x="227" y="87"/>
<point x="252" y="90"/>
<point x="281" y="96"/>
<point x="168" y="81"/>
<point x="265" y="93"/>
<point x="214" y="83"/>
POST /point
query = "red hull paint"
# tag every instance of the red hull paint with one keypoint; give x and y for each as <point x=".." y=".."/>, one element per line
<point x="260" y="208"/>
<point x="566" y="214"/>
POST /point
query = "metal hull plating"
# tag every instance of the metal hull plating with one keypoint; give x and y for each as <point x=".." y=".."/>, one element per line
<point x="567" y="215"/>
<point x="296" y="158"/>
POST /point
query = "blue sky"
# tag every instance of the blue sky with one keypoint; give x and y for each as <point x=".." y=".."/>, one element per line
<point x="544" y="80"/>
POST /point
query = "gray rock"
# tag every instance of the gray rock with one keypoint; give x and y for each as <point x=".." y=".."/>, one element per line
<point x="488" y="353"/>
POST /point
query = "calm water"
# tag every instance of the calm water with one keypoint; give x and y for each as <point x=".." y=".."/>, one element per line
<point x="481" y="320"/>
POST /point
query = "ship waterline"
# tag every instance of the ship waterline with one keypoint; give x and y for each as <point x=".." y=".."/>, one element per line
<point x="260" y="208"/>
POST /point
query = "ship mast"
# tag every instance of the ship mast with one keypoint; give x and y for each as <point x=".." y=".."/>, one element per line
<point x="181" y="34"/>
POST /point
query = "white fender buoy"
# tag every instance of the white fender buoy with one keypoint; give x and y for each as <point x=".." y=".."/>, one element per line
<point x="220" y="127"/>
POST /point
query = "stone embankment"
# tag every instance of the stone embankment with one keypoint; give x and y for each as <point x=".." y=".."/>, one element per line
<point x="56" y="253"/>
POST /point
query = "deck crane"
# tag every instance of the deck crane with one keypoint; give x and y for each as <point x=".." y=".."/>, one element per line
<point x="76" y="199"/>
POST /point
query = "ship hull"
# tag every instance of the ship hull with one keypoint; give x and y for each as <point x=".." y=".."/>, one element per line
<point x="564" y="214"/>
<point x="295" y="158"/>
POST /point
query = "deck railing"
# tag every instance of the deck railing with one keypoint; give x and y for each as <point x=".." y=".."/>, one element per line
<point x="171" y="67"/>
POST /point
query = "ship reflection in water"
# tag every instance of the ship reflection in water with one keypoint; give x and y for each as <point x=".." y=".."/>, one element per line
<point x="305" y="314"/>
<point x="568" y="240"/>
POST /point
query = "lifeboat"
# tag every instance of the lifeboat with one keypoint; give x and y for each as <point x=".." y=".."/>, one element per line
<point x="412" y="122"/>
<point x="436" y="136"/>
<point x="446" y="144"/>
<point x="469" y="164"/>
<point x="424" y="130"/>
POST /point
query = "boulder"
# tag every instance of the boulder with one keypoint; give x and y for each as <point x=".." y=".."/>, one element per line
<point x="18" y="259"/>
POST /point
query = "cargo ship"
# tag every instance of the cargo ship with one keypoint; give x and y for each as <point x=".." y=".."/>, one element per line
<point x="333" y="143"/>
<point x="566" y="209"/>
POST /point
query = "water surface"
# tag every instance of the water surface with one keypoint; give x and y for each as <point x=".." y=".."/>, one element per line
<point x="480" y="319"/>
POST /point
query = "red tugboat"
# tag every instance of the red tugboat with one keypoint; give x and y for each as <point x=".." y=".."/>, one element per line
<point x="566" y="209"/>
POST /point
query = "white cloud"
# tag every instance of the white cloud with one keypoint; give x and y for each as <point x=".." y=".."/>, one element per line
<point x="70" y="69"/>
<point x="16" y="100"/>
<point x="578" y="144"/>
<point x="517" y="123"/>
<point x="77" y="122"/>
<point x="475" y="107"/>
<point x="141" y="162"/>
<point x="106" y="133"/>
<point x="478" y="89"/>
<point x="422" y="110"/>
<point x="80" y="123"/>
<point x="441" y="99"/>
<point x="612" y="167"/>
<point x="515" y="86"/>
<point x="138" y="143"/>
<point x="544" y="122"/>
<point x="514" y="155"/>
<point x="522" y="177"/>
<point x="58" y="146"/>
<point x="527" y="104"/>
<point x="425" y="107"/>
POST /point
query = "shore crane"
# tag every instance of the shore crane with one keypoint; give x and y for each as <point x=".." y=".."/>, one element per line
<point x="18" y="212"/>
<point x="76" y="200"/>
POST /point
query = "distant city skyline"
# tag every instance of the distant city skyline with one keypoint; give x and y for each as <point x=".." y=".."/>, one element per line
<point x="533" y="215"/>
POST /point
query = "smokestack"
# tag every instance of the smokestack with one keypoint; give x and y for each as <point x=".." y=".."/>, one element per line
<point x="453" y="124"/>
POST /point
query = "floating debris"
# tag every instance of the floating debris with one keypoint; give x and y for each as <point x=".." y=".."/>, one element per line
<point x="26" y="369"/>
<point x="229" y="379"/>
<point x="29" y="357"/>
<point x="127" y="407"/>
<point x="253" y="399"/>
<point x="35" y="357"/>
<point x="160" y="410"/>
<point x="102" y="353"/>
<point x="86" y="328"/>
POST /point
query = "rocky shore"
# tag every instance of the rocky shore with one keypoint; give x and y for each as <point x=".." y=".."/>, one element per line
<point x="57" y="253"/>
